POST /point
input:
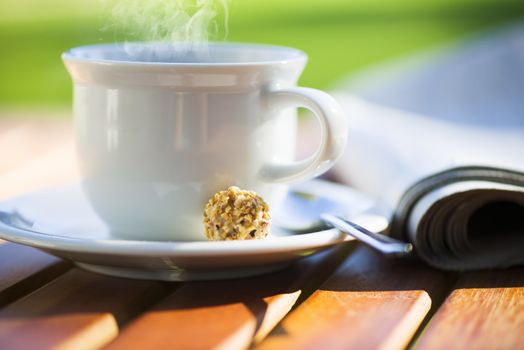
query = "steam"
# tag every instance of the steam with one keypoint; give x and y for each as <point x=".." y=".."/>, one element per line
<point x="176" y="29"/>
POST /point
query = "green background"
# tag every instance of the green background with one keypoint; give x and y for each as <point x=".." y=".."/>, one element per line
<point x="340" y="36"/>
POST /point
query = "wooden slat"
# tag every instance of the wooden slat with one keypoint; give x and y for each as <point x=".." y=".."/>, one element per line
<point x="226" y="314"/>
<point x="24" y="269"/>
<point x="369" y="303"/>
<point x="27" y="146"/>
<point x="485" y="311"/>
<point x="79" y="310"/>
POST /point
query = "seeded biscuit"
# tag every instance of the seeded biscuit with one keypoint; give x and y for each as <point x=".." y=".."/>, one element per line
<point x="236" y="214"/>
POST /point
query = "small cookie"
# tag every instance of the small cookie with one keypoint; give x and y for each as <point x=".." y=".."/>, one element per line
<point x="236" y="214"/>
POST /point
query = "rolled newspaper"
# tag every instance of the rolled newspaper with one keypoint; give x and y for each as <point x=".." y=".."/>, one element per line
<point x="439" y="138"/>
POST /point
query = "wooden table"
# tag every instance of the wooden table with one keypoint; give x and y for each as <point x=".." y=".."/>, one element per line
<point x="345" y="298"/>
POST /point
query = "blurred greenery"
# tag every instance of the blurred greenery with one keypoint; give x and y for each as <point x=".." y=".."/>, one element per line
<point x="340" y="36"/>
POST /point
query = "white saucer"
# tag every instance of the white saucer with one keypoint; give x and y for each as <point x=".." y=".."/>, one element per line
<point x="61" y="222"/>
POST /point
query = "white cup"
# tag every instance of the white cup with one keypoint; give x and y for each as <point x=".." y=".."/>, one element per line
<point x="158" y="137"/>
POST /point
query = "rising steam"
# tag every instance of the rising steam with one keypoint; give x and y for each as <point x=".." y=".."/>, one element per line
<point x="178" y="26"/>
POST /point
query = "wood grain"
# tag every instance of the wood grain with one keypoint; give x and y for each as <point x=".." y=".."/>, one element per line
<point x="485" y="311"/>
<point x="226" y="314"/>
<point x="79" y="310"/>
<point x="369" y="303"/>
<point x="24" y="269"/>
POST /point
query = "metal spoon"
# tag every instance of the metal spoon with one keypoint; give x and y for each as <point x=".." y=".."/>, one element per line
<point x="309" y="213"/>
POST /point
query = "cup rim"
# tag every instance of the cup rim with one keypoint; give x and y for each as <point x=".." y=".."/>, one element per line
<point x="81" y="55"/>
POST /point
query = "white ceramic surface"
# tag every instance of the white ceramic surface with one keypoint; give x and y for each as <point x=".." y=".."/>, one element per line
<point x="156" y="139"/>
<point x="61" y="222"/>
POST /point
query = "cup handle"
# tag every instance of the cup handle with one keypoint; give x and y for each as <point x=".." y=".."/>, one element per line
<point x="333" y="130"/>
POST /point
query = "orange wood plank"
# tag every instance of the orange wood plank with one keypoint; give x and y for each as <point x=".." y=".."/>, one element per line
<point x="79" y="310"/>
<point x="370" y="303"/>
<point x="226" y="314"/>
<point x="24" y="269"/>
<point x="485" y="311"/>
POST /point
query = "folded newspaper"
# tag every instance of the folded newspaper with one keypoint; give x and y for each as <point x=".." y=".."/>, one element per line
<point x="439" y="138"/>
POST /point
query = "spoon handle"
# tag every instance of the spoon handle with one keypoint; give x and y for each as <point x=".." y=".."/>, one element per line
<point x="382" y="243"/>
